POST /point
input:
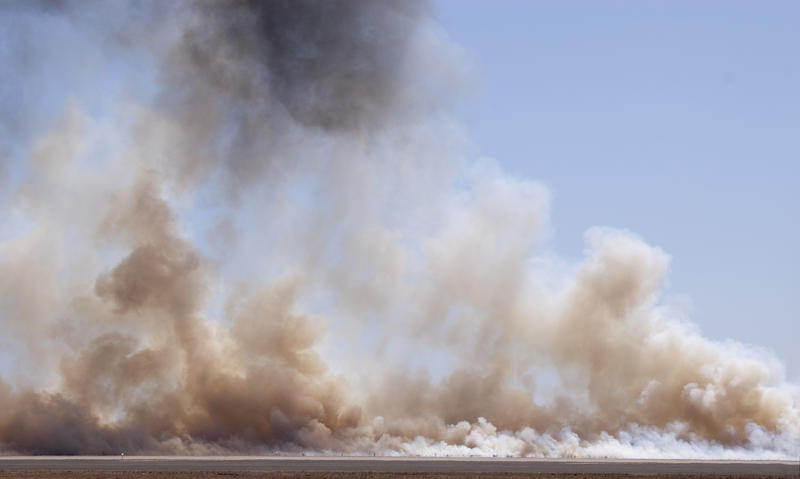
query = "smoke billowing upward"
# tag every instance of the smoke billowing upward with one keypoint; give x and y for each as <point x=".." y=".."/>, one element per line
<point x="249" y="227"/>
<point x="334" y="65"/>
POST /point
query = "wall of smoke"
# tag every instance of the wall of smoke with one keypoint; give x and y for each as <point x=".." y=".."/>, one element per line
<point x="258" y="227"/>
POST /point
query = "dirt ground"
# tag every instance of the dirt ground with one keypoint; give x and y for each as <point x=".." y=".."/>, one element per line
<point x="333" y="475"/>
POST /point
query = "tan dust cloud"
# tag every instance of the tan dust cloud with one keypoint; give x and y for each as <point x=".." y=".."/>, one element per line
<point x="282" y="249"/>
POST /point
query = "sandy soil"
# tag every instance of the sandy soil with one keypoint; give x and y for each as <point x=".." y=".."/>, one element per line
<point x="335" y="475"/>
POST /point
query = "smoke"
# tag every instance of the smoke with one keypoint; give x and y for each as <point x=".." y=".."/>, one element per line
<point x="253" y="227"/>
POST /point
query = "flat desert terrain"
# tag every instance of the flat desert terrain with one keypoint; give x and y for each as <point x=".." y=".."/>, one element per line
<point x="376" y="467"/>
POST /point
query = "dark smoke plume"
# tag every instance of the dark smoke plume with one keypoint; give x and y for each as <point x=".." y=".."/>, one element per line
<point x="342" y="67"/>
<point x="334" y="65"/>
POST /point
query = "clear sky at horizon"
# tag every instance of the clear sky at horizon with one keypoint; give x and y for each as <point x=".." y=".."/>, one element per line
<point x="679" y="121"/>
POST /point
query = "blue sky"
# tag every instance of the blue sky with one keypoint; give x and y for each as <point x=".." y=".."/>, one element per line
<point x="678" y="120"/>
